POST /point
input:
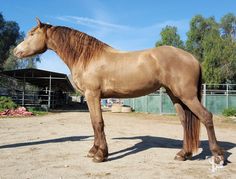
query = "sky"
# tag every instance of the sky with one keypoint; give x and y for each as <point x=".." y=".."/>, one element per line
<point x="123" y="24"/>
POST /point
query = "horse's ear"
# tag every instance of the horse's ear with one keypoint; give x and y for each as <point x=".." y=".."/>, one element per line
<point x="39" y="22"/>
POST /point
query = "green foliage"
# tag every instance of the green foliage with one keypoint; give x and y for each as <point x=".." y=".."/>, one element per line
<point x="9" y="33"/>
<point x="229" y="112"/>
<point x="228" y="25"/>
<point x="199" y="27"/>
<point x="212" y="53"/>
<point x="10" y="36"/>
<point x="169" y="36"/>
<point x="6" y="103"/>
<point x="11" y="62"/>
<point x="37" y="111"/>
<point x="219" y="56"/>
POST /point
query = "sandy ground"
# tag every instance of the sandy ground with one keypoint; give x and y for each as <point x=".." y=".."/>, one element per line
<point x="140" y="146"/>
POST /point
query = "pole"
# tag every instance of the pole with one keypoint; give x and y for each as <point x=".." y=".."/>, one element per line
<point x="49" y="91"/>
<point x="204" y="94"/>
<point x="227" y="95"/>
<point x="23" y="93"/>
<point x="133" y="103"/>
<point x="160" y="104"/>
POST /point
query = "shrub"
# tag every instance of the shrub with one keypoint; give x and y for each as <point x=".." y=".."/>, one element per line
<point x="37" y="110"/>
<point x="6" y="103"/>
<point x="229" y="112"/>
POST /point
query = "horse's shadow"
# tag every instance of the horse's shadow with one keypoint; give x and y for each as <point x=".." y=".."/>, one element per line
<point x="148" y="142"/>
<point x="57" y="140"/>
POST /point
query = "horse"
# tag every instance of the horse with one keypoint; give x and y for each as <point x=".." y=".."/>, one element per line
<point x="100" y="71"/>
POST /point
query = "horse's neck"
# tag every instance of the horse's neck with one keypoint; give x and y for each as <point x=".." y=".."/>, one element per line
<point x="53" y="44"/>
<point x="74" y="51"/>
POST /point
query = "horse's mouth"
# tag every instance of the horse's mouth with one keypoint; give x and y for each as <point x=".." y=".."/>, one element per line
<point x="18" y="54"/>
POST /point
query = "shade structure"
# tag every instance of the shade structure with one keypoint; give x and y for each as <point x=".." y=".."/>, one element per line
<point x="52" y="81"/>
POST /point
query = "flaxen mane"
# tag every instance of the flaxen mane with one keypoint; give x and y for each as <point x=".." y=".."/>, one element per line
<point x="77" y="46"/>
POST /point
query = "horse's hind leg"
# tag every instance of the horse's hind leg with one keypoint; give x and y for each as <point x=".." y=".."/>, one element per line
<point x="206" y="118"/>
<point x="183" y="154"/>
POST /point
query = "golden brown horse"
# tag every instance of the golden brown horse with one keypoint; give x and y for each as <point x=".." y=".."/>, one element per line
<point x="100" y="71"/>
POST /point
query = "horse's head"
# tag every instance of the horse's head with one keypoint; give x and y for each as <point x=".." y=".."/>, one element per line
<point x="34" y="43"/>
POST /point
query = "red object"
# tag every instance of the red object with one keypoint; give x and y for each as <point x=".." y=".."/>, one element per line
<point x="20" y="111"/>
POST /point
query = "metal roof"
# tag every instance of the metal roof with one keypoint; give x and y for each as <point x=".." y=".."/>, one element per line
<point x="41" y="78"/>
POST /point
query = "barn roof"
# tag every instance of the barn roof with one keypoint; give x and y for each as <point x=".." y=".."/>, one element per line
<point x="41" y="78"/>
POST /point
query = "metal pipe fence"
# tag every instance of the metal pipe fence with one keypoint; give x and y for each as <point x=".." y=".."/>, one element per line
<point x="46" y="98"/>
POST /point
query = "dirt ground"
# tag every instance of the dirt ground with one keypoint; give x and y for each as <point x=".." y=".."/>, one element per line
<point x="140" y="146"/>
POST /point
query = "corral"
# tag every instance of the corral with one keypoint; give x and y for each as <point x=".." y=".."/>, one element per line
<point x="141" y="146"/>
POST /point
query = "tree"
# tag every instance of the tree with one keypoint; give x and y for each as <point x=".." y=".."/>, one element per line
<point x="169" y="36"/>
<point x="9" y="38"/>
<point x="228" y="61"/>
<point x="9" y="32"/>
<point x="212" y="54"/>
<point x="199" y="27"/>
<point x="219" y="56"/>
<point x="228" y="26"/>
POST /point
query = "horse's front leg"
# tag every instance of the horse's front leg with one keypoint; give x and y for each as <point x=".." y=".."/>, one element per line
<point x="99" y="151"/>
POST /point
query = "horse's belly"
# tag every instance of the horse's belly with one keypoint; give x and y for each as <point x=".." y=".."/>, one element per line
<point x="129" y="90"/>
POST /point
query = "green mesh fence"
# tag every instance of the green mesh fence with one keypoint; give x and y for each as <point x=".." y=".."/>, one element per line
<point x="161" y="103"/>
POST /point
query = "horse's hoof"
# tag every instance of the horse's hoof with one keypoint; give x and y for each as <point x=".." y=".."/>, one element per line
<point x="218" y="154"/>
<point x="219" y="159"/>
<point x="100" y="156"/>
<point x="98" y="159"/>
<point x="179" y="158"/>
<point x="90" y="155"/>
<point x="182" y="155"/>
<point x="92" y="151"/>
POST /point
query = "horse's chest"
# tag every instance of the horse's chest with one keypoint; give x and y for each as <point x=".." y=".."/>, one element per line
<point x="79" y="85"/>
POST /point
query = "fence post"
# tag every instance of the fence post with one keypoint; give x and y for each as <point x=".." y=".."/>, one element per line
<point x="146" y="103"/>
<point x="204" y="94"/>
<point x="227" y="95"/>
<point x="133" y="103"/>
<point x="23" y="93"/>
<point x="49" y="91"/>
<point x="160" y="105"/>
